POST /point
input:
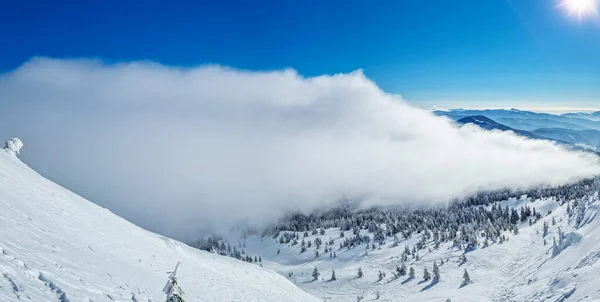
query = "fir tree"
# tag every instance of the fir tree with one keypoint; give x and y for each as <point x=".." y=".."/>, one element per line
<point x="411" y="273"/>
<point x="381" y="275"/>
<point x="172" y="290"/>
<point x="333" y="278"/>
<point x="360" y="273"/>
<point x="315" y="273"/>
<point x="426" y="275"/>
<point x="554" y="247"/>
<point x="466" y="278"/>
<point x="402" y="270"/>
<point x="436" y="272"/>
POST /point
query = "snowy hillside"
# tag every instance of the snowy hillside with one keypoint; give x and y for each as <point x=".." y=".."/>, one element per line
<point x="526" y="267"/>
<point x="57" y="246"/>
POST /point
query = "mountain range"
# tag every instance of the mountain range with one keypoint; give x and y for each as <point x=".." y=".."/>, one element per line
<point x="578" y="129"/>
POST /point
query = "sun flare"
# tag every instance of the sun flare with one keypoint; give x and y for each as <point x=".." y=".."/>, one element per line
<point x="580" y="8"/>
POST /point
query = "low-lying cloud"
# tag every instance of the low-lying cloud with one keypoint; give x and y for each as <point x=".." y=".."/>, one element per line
<point x="175" y="149"/>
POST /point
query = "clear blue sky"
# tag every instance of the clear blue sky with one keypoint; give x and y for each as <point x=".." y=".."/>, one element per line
<point x="433" y="52"/>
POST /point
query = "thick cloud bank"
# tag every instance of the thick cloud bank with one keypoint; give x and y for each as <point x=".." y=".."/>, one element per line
<point x="173" y="149"/>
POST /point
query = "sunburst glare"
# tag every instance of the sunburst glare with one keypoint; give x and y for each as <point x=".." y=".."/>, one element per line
<point x="580" y="8"/>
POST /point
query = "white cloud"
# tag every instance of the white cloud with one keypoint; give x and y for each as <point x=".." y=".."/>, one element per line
<point x="175" y="148"/>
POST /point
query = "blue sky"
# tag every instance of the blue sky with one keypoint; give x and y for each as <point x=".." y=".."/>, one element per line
<point x="447" y="53"/>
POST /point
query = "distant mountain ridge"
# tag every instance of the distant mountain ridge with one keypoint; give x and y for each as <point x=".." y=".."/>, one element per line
<point x="489" y="124"/>
<point x="594" y="116"/>
<point x="525" y="120"/>
<point x="571" y="129"/>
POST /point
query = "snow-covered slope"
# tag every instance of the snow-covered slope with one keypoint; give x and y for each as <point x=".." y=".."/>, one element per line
<point x="520" y="269"/>
<point x="57" y="246"/>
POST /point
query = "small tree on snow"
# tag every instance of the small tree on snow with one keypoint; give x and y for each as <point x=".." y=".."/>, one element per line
<point x="333" y="278"/>
<point x="402" y="270"/>
<point x="580" y="213"/>
<point x="555" y="249"/>
<point x="360" y="273"/>
<point x="13" y="146"/>
<point x="172" y="290"/>
<point x="411" y="273"/>
<point x="426" y="275"/>
<point x="315" y="273"/>
<point x="466" y="278"/>
<point x="436" y="273"/>
<point x="381" y="275"/>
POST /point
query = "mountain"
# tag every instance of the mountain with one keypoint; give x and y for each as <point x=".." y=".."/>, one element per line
<point x="57" y="246"/>
<point x="489" y="124"/>
<point x="594" y="116"/>
<point x="538" y="245"/>
<point x="525" y="120"/>
<point x="590" y="138"/>
<point x="587" y="139"/>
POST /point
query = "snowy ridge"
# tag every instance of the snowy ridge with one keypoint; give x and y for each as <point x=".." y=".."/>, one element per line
<point x="57" y="246"/>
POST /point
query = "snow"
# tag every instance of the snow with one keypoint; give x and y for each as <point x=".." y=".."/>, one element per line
<point x="521" y="269"/>
<point x="57" y="246"/>
<point x="13" y="146"/>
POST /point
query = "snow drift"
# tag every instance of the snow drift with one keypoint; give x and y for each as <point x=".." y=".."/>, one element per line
<point x="152" y="142"/>
<point x="57" y="246"/>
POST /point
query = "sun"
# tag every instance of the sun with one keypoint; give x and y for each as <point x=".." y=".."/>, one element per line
<point x="580" y="8"/>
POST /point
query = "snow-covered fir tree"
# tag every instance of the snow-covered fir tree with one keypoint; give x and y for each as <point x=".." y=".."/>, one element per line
<point x="426" y="275"/>
<point x="402" y="270"/>
<point x="436" y="272"/>
<point x="315" y="273"/>
<point x="466" y="278"/>
<point x="172" y="290"/>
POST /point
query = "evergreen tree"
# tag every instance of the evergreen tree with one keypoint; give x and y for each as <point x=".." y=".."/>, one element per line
<point x="554" y="247"/>
<point x="426" y="275"/>
<point x="436" y="272"/>
<point x="381" y="275"/>
<point x="402" y="270"/>
<point x="315" y="273"/>
<point x="411" y="273"/>
<point x="333" y="278"/>
<point x="172" y="290"/>
<point x="466" y="278"/>
<point x="561" y="238"/>
<point x="360" y="273"/>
